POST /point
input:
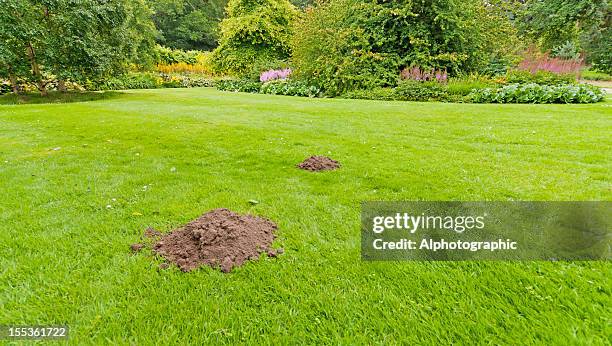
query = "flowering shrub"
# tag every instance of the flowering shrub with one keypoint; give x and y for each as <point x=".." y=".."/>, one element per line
<point x="536" y="93"/>
<point x="415" y="73"/>
<point x="543" y="62"/>
<point x="271" y="75"/>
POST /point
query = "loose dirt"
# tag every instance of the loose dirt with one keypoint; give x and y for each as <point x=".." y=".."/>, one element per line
<point x="219" y="238"/>
<point x="319" y="163"/>
<point x="136" y="247"/>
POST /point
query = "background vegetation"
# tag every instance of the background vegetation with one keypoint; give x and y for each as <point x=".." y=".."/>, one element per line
<point x="331" y="47"/>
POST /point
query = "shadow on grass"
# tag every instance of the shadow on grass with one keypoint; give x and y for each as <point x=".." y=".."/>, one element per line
<point x="57" y="97"/>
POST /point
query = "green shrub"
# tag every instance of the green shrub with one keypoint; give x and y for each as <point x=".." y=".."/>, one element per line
<point x="239" y="85"/>
<point x="537" y="93"/>
<point x="169" y="56"/>
<point x="540" y="77"/>
<point x="385" y="94"/>
<point x="254" y="31"/>
<point x="421" y="91"/>
<point x="464" y="85"/>
<point x="497" y="66"/>
<point x="413" y="91"/>
<point x="289" y="88"/>
<point x="567" y="51"/>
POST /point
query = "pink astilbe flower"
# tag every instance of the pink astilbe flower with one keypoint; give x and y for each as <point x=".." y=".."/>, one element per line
<point x="543" y="62"/>
<point x="415" y="73"/>
<point x="274" y="74"/>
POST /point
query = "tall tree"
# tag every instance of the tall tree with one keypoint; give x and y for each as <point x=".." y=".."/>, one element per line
<point x="188" y="24"/>
<point x="21" y="36"/>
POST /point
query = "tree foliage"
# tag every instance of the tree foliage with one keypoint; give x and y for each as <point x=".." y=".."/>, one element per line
<point x="188" y="24"/>
<point x="72" y="39"/>
<point x="255" y="31"/>
<point x="346" y="44"/>
<point x="552" y="23"/>
<point x="557" y="25"/>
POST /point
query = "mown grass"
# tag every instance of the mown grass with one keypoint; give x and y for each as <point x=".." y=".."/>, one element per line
<point x="56" y="97"/>
<point x="162" y="157"/>
<point x="596" y="76"/>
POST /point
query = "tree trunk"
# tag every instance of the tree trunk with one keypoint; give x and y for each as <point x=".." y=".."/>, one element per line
<point x="42" y="87"/>
<point x="61" y="85"/>
<point x="13" y="80"/>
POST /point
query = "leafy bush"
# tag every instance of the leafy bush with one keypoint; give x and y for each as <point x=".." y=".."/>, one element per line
<point x="239" y="85"/>
<point x="289" y="88"/>
<point x="408" y="91"/>
<point x="567" y="51"/>
<point x="421" y="91"/>
<point x="384" y="94"/>
<point x="539" y="77"/>
<point x="536" y="93"/>
<point x="343" y="45"/>
<point x="453" y="91"/>
<point x="497" y="66"/>
<point x="464" y="85"/>
<point x="168" y="56"/>
<point x="254" y="31"/>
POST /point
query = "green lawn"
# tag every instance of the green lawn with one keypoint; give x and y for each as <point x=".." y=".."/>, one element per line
<point x="172" y="154"/>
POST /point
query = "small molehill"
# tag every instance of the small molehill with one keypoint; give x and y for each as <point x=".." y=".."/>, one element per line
<point x="219" y="238"/>
<point x="319" y="163"/>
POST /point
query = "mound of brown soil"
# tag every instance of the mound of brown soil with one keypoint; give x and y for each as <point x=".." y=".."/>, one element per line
<point x="319" y="163"/>
<point x="219" y="238"/>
